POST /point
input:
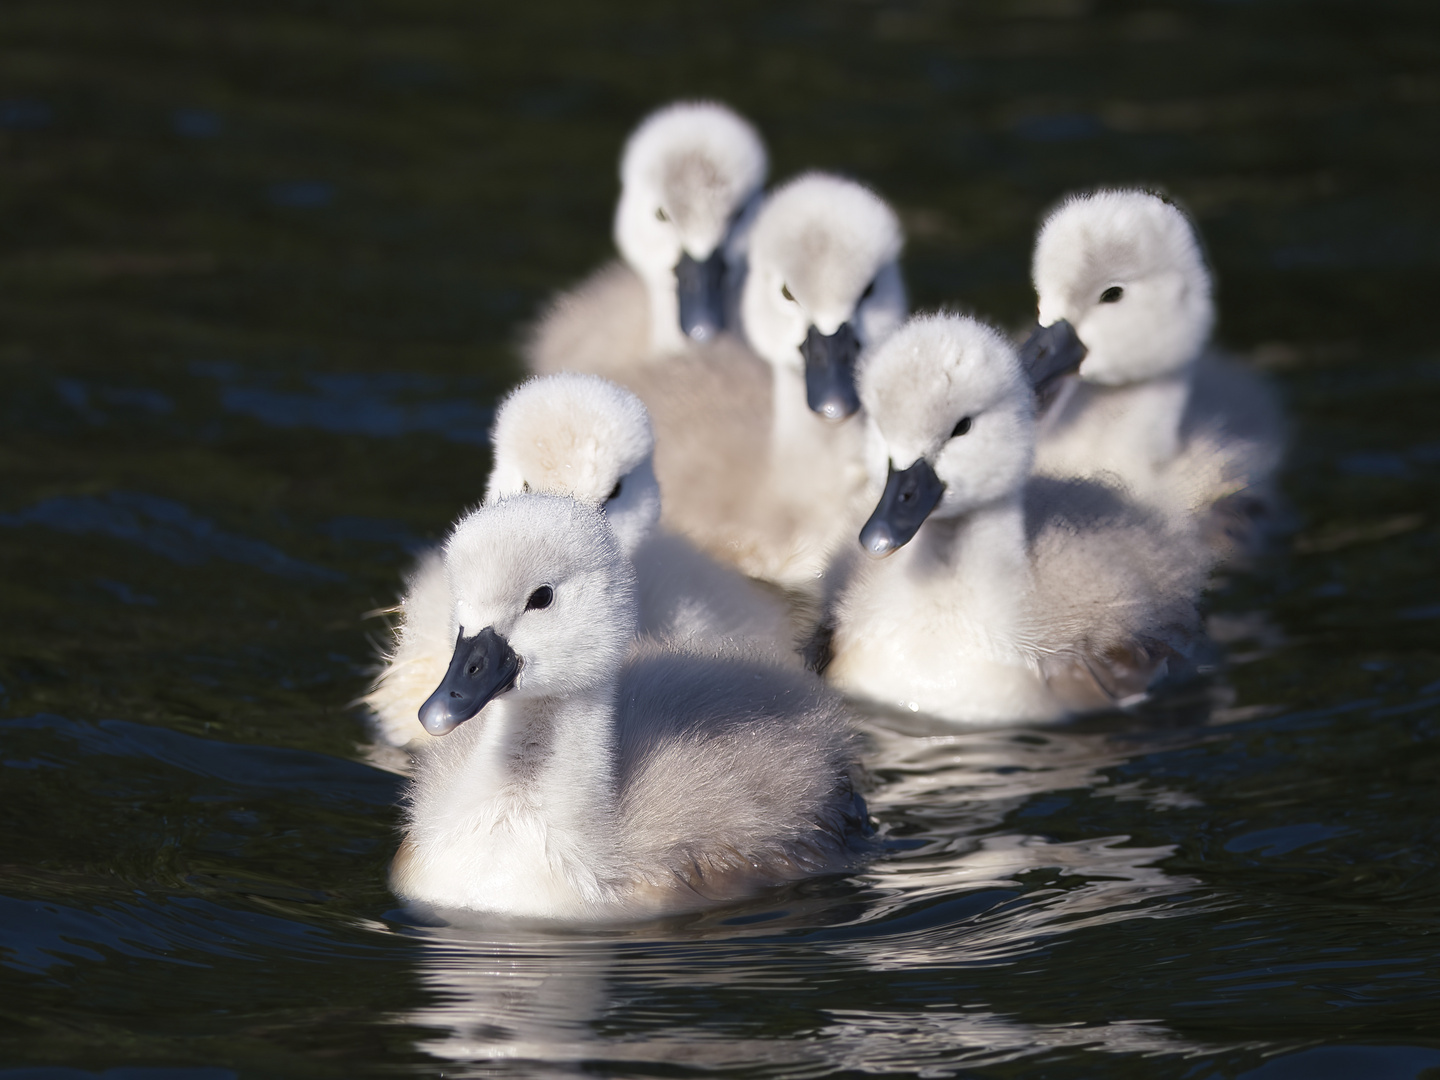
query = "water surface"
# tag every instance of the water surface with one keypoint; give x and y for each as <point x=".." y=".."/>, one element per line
<point x="261" y="270"/>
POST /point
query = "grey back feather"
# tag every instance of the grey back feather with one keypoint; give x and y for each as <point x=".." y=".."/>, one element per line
<point x="1114" y="595"/>
<point x="733" y="772"/>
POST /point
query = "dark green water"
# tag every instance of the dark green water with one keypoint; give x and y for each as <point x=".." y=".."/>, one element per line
<point x="260" y="268"/>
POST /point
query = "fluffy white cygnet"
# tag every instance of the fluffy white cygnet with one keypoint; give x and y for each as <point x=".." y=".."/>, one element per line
<point x="999" y="598"/>
<point x="585" y="779"/>
<point x="768" y="476"/>
<point x="690" y="176"/>
<point x="583" y="437"/>
<point x="1190" y="433"/>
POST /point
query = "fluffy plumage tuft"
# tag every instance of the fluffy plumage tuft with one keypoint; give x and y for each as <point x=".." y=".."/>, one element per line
<point x="934" y="372"/>
<point x="825" y="241"/>
<point x="1145" y="247"/>
<point x="574" y="435"/>
<point x="697" y="161"/>
<point x="497" y="556"/>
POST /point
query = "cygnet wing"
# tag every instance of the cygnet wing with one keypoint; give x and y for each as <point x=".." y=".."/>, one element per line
<point x="734" y="774"/>
<point x="711" y="412"/>
<point x="1114" y="602"/>
<point x="686" y="596"/>
<point x="423" y="647"/>
<point x="1234" y="438"/>
<point x="774" y="519"/>
<point x="600" y="327"/>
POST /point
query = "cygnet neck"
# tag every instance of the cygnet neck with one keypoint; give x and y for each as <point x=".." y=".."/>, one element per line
<point x="665" y="334"/>
<point x="797" y="431"/>
<point x="553" y="757"/>
<point x="984" y="553"/>
<point x="1147" y="430"/>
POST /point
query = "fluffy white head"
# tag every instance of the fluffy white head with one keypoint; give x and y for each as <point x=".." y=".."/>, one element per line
<point x="496" y="559"/>
<point x="949" y="389"/>
<point x="583" y="437"/>
<point x="1126" y="270"/>
<point x="687" y="172"/>
<point x="823" y="252"/>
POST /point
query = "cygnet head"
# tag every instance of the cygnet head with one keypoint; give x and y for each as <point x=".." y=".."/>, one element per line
<point x="687" y="173"/>
<point x="583" y="437"/>
<point x="1125" y="270"/>
<point x="545" y="604"/>
<point x="823" y="284"/>
<point x="951" y="424"/>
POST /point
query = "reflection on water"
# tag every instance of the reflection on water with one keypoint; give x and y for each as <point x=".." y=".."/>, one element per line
<point x="956" y="889"/>
<point x="262" y="267"/>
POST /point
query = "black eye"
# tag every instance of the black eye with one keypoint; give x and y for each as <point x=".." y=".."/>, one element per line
<point x="660" y="214"/>
<point x="785" y="292"/>
<point x="869" y="291"/>
<point x="540" y="598"/>
<point x="1112" y="295"/>
<point x="961" y="428"/>
<point x="615" y="491"/>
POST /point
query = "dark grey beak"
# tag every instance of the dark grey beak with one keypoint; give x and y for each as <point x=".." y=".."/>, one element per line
<point x="483" y="668"/>
<point x="701" y="289"/>
<point x="1048" y="355"/>
<point x="830" y="372"/>
<point x="910" y="495"/>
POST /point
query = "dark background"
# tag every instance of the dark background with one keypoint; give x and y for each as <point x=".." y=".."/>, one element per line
<point x="261" y="269"/>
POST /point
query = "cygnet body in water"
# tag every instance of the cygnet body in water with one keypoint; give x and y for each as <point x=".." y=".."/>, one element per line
<point x="1189" y="432"/>
<point x="690" y="178"/>
<point x="583" y="778"/>
<point x="994" y="597"/>
<point x="583" y="437"/>
<point x="762" y="461"/>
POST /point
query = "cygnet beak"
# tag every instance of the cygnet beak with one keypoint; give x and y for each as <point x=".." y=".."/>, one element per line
<point x="830" y="372"/>
<point x="1048" y="355"/>
<point x="700" y="287"/>
<point x="910" y="495"/>
<point x="483" y="668"/>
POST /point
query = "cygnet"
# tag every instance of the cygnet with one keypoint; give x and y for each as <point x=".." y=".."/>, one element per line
<point x="583" y="437"/>
<point x="766" y="472"/>
<point x="1121" y="281"/>
<point x="999" y="597"/>
<point x="584" y="779"/>
<point x="690" y="179"/>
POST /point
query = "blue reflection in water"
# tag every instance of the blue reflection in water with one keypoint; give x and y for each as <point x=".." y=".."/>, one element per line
<point x="197" y="123"/>
<point x="1284" y="839"/>
<point x="302" y="194"/>
<point x="164" y="527"/>
<point x="141" y="763"/>
<point x="384" y="405"/>
<point x="319" y="776"/>
<point x="1350" y="1063"/>
<point x="25" y="114"/>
